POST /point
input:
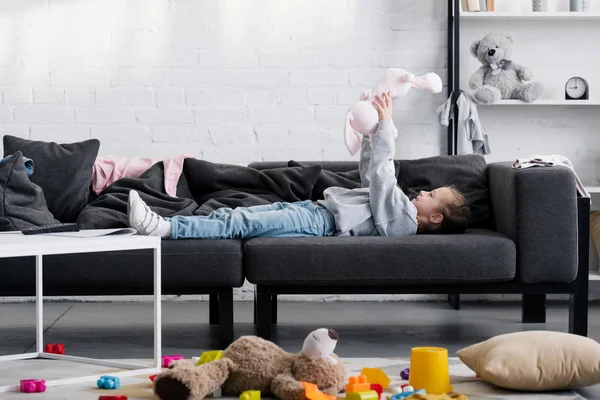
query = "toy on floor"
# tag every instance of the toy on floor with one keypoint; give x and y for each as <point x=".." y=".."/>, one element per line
<point x="109" y="382"/>
<point x="405" y="373"/>
<point x="250" y="395"/>
<point x="362" y="118"/>
<point x="377" y="376"/>
<point x="454" y="396"/>
<point x="152" y="377"/>
<point x="58" y="348"/>
<point x="312" y="392"/>
<point x="499" y="77"/>
<point x="32" y="386"/>
<point x="366" y="395"/>
<point x="377" y="388"/>
<point x="252" y="363"/>
<point x="209" y="356"/>
<point x="167" y="360"/>
<point x="121" y="397"/>
<point x="429" y="370"/>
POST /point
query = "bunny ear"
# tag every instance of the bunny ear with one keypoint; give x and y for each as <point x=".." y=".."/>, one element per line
<point x="430" y="82"/>
<point x="351" y="138"/>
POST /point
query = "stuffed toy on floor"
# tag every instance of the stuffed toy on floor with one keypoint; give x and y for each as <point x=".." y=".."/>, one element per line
<point x="252" y="363"/>
<point x="362" y="117"/>
<point x="500" y="77"/>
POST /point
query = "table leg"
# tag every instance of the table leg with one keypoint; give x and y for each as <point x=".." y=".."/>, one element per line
<point x="157" y="307"/>
<point x="39" y="305"/>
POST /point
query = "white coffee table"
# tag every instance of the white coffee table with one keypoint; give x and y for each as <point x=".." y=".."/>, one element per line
<point x="19" y="245"/>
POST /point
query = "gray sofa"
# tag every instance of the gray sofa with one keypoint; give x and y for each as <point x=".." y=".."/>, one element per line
<point x="539" y="246"/>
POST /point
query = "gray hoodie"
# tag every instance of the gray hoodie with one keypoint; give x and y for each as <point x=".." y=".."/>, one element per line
<point x="379" y="207"/>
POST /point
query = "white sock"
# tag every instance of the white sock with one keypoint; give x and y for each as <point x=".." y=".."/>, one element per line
<point x="144" y="220"/>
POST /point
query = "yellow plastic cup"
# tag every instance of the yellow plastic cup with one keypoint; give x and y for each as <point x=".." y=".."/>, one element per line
<point x="429" y="370"/>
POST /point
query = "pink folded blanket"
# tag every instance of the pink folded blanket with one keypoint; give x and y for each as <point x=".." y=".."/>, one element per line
<point x="108" y="169"/>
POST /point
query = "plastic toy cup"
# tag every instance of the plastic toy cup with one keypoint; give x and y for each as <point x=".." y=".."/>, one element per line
<point x="429" y="370"/>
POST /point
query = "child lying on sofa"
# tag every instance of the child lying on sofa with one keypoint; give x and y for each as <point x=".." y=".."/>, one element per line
<point x="379" y="207"/>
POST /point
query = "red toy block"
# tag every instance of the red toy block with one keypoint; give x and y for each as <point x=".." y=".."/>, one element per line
<point x="377" y="388"/>
<point x="167" y="360"/>
<point x="121" y="397"/>
<point x="152" y="377"/>
<point x="357" y="384"/>
<point x="32" y="386"/>
<point x="58" y="348"/>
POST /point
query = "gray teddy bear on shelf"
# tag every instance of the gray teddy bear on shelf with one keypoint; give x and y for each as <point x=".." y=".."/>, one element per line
<point x="499" y="77"/>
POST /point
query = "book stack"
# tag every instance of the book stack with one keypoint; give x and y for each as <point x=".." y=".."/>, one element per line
<point x="477" y="5"/>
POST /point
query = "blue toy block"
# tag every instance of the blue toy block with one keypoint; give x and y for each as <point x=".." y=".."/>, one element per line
<point x="399" y="396"/>
<point x="109" y="382"/>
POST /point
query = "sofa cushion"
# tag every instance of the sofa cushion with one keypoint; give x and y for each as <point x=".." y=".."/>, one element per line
<point x="476" y="256"/>
<point x="22" y="203"/>
<point x="188" y="267"/>
<point x="63" y="171"/>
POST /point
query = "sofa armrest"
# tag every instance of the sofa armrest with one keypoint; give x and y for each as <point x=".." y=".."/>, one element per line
<point x="537" y="208"/>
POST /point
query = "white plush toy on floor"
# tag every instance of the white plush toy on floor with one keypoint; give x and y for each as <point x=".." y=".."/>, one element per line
<point x="362" y="117"/>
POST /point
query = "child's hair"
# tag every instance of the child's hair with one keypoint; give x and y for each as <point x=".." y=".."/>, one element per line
<point x="456" y="215"/>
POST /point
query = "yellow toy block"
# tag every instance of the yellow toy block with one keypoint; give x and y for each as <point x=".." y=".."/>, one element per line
<point x="357" y="384"/>
<point x="209" y="356"/>
<point x="366" y="395"/>
<point x="250" y="395"/>
<point x="376" y="376"/>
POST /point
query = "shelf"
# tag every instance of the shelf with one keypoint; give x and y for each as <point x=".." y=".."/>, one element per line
<point x="484" y="15"/>
<point x="593" y="189"/>
<point x="545" y="103"/>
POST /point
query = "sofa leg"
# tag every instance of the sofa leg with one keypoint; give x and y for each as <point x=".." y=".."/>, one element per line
<point x="454" y="300"/>
<point x="225" y="318"/>
<point x="263" y="316"/>
<point x="213" y="309"/>
<point x="578" y="314"/>
<point x="274" y="309"/>
<point x="533" y="308"/>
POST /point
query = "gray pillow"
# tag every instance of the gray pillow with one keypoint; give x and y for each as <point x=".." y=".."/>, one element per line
<point x="63" y="171"/>
<point x="22" y="203"/>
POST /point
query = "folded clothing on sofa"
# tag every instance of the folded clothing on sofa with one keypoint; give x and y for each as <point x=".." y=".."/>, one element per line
<point x="108" y="169"/>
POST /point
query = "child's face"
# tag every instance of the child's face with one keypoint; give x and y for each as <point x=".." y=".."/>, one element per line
<point x="429" y="203"/>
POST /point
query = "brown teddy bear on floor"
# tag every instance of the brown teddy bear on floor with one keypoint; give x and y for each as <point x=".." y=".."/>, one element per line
<point x="252" y="363"/>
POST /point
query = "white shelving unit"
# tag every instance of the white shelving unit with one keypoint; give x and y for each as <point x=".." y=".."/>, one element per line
<point x="545" y="102"/>
<point x="529" y="15"/>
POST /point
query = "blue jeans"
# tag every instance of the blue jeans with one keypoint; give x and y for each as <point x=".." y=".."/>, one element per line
<point x="302" y="218"/>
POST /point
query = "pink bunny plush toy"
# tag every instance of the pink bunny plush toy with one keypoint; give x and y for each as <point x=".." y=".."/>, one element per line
<point x="362" y="117"/>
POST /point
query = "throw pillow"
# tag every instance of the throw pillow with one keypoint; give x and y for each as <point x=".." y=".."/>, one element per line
<point x="535" y="361"/>
<point x="22" y="203"/>
<point x="349" y="180"/>
<point x="468" y="173"/>
<point x="63" y="171"/>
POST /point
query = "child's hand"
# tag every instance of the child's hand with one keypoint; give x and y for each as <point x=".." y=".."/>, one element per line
<point x="383" y="105"/>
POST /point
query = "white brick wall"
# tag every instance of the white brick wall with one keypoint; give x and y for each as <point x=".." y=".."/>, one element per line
<point x="237" y="81"/>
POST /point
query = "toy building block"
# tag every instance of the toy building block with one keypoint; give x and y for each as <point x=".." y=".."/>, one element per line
<point x="109" y="382"/>
<point x="209" y="356"/>
<point x="58" y="348"/>
<point x="405" y="395"/>
<point x="195" y="360"/>
<point x="376" y="375"/>
<point x="405" y="373"/>
<point x="312" y="392"/>
<point x="216" y="393"/>
<point x="366" y="395"/>
<point x="357" y="384"/>
<point x="167" y="360"/>
<point x="454" y="396"/>
<point x="121" y="397"/>
<point x="377" y="388"/>
<point x="32" y="386"/>
<point x="250" y="395"/>
<point x="152" y="377"/>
